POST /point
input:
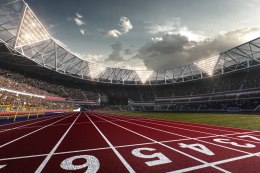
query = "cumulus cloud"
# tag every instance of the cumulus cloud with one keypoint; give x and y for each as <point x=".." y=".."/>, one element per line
<point x="173" y="26"/>
<point x="125" y="24"/>
<point x="113" y="33"/>
<point x="176" y="49"/>
<point x="125" y="27"/>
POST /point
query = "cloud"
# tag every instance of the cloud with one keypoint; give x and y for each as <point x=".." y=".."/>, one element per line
<point x="113" y="33"/>
<point x="176" y="49"/>
<point x="79" y="21"/>
<point x="164" y="27"/>
<point x="128" y="52"/>
<point x="125" y="24"/>
<point x="125" y="27"/>
<point x="173" y="26"/>
<point x="79" y="15"/>
<point x="157" y="38"/>
<point x="117" y="49"/>
<point x="82" y="31"/>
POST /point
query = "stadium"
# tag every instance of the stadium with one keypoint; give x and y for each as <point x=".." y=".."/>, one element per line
<point x="62" y="113"/>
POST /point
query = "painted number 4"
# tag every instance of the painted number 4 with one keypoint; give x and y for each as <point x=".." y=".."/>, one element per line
<point x="92" y="164"/>
<point x="159" y="157"/>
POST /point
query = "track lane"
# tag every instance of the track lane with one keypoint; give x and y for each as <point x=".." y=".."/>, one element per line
<point x="177" y="125"/>
<point x="108" y="160"/>
<point x="39" y="122"/>
<point x="222" y="153"/>
<point x="15" y="135"/>
<point x="245" y="136"/>
<point x="46" y="160"/>
<point x="189" y="160"/>
<point x="230" y="129"/>
<point x="209" y="140"/>
<point x="82" y="137"/>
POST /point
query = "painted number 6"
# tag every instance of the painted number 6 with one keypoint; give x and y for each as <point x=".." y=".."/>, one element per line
<point x="92" y="164"/>
<point x="162" y="159"/>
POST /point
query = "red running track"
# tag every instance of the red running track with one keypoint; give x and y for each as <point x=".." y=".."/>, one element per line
<point x="97" y="142"/>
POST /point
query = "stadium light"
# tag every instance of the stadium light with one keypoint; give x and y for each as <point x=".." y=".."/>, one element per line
<point x="207" y="65"/>
<point x="144" y="75"/>
<point x="31" y="30"/>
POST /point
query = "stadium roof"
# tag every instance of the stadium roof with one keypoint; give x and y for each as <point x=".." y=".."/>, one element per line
<point x="22" y="32"/>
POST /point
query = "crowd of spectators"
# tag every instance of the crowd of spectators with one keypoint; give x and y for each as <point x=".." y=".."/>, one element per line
<point x="11" y="99"/>
<point x="24" y="83"/>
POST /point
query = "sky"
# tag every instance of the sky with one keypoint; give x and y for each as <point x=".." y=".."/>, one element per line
<point x="149" y="34"/>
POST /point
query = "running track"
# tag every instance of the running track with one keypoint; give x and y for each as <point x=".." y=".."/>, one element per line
<point x="98" y="142"/>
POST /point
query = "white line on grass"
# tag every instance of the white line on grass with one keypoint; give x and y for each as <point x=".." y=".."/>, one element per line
<point x="128" y="167"/>
<point x="45" y="161"/>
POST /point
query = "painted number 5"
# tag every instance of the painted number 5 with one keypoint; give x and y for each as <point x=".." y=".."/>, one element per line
<point x="92" y="164"/>
<point x="161" y="159"/>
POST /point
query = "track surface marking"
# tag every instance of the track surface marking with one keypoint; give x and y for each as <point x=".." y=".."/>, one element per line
<point x="91" y="141"/>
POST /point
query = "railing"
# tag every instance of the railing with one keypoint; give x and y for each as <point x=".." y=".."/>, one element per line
<point x="13" y="112"/>
<point x="9" y="111"/>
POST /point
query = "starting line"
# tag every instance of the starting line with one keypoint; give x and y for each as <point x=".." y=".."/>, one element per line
<point x="149" y="155"/>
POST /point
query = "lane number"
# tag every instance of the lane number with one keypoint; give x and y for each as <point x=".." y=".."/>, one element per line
<point x="198" y="147"/>
<point x="160" y="158"/>
<point x="227" y="141"/>
<point x="92" y="164"/>
<point x="249" y="136"/>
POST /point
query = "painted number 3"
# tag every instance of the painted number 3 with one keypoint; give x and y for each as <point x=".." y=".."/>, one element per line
<point x="92" y="164"/>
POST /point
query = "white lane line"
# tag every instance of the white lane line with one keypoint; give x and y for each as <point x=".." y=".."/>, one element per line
<point x="32" y="132"/>
<point x="215" y="163"/>
<point x="64" y="124"/>
<point x="162" y="144"/>
<point x="128" y="167"/>
<point x="23" y="157"/>
<point x="207" y="126"/>
<point x="173" y="127"/>
<point x="45" y="161"/>
<point x="186" y="137"/>
<point x="167" y="122"/>
<point x="41" y="120"/>
<point x="102" y="148"/>
<point x="2" y="166"/>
